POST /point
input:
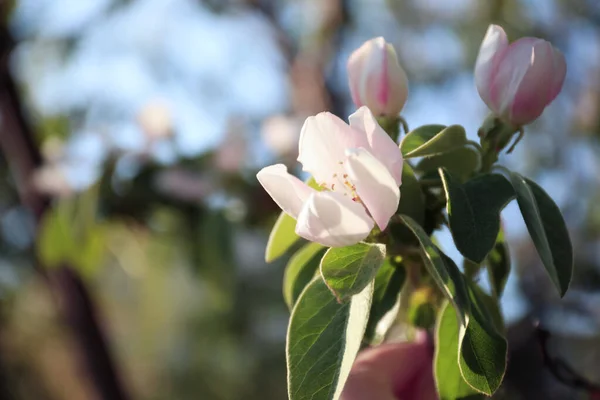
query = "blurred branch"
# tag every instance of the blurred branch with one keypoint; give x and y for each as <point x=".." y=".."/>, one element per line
<point x="18" y="145"/>
<point x="561" y="370"/>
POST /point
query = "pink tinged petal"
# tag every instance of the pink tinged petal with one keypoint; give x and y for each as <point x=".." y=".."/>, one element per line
<point x="322" y="145"/>
<point x="391" y="371"/>
<point x="373" y="81"/>
<point x="515" y="63"/>
<point x="355" y="67"/>
<point x="289" y="192"/>
<point x="558" y="78"/>
<point x="380" y="144"/>
<point x="490" y="53"/>
<point x="383" y="88"/>
<point x="376" y="78"/>
<point x="397" y="85"/>
<point x="333" y="220"/>
<point x="535" y="88"/>
<point x="375" y="186"/>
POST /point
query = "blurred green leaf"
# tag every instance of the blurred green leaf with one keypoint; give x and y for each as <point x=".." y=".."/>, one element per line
<point x="498" y="265"/>
<point x="388" y="283"/>
<point x="90" y="254"/>
<point x="300" y="270"/>
<point x="323" y="340"/>
<point x="55" y="239"/>
<point x="421" y="313"/>
<point x="442" y="269"/>
<point x="348" y="270"/>
<point x="429" y="140"/>
<point x="474" y="212"/>
<point x="547" y="229"/>
<point x="461" y="162"/>
<point x="65" y="239"/>
<point x="282" y="237"/>
<point x="448" y="379"/>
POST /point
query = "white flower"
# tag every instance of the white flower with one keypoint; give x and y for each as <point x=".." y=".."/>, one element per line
<point x="359" y="168"/>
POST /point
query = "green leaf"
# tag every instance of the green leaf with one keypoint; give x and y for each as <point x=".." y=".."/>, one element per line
<point x="300" y="270"/>
<point x="55" y="242"/>
<point x="462" y="162"/>
<point x="474" y="212"/>
<point x="494" y="314"/>
<point x="498" y="265"/>
<point x="443" y="270"/>
<point x="348" y="270"/>
<point x="324" y="337"/>
<point x="483" y="350"/>
<point x="282" y="237"/>
<point x="64" y="239"/>
<point x="90" y="254"/>
<point x="547" y="229"/>
<point x="388" y="282"/>
<point x="429" y="140"/>
<point x="412" y="200"/>
<point x="448" y="379"/>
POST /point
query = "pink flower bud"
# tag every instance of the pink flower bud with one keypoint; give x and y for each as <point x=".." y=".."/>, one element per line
<point x="393" y="371"/>
<point x="376" y="78"/>
<point x="519" y="80"/>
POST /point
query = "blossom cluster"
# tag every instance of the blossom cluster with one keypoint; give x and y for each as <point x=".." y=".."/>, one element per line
<point x="358" y="166"/>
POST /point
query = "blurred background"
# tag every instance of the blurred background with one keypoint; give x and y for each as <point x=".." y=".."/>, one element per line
<point x="131" y="132"/>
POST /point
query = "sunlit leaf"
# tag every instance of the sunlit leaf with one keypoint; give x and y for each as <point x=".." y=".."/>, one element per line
<point x="483" y="349"/>
<point x="282" y="237"/>
<point x="300" y="270"/>
<point x="348" y="270"/>
<point x="449" y="381"/>
<point x="324" y="337"/>
<point x="429" y="140"/>
<point x="462" y="162"/>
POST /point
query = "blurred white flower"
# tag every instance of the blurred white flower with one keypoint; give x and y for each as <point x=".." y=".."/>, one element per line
<point x="280" y="134"/>
<point x="155" y="120"/>
<point x="51" y="180"/>
<point x="231" y="154"/>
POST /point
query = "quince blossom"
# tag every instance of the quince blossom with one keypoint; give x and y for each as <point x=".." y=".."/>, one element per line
<point x="359" y="168"/>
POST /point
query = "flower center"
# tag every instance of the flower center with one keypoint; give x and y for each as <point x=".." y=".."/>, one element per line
<point x="341" y="183"/>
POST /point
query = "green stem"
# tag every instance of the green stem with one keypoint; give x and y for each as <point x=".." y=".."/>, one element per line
<point x="495" y="135"/>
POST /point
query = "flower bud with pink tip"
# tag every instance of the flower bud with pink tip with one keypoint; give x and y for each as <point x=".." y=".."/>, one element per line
<point x="518" y="80"/>
<point x="376" y="78"/>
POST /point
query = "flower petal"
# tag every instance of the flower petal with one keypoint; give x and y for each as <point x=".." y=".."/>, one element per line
<point x="490" y="52"/>
<point x="397" y="83"/>
<point x="289" y="192"/>
<point x="560" y="71"/>
<point x="333" y="220"/>
<point x="323" y="141"/>
<point x="533" y="92"/>
<point x="507" y="79"/>
<point x="380" y="144"/>
<point x="374" y="185"/>
<point x="355" y="68"/>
